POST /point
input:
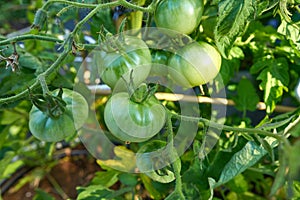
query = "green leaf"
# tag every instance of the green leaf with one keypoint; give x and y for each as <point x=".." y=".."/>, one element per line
<point x="260" y="65"/>
<point x="125" y="160"/>
<point x="227" y="71"/>
<point x="102" y="18"/>
<point x="232" y="22"/>
<point x="128" y="179"/>
<point x="295" y="127"/>
<point x="247" y="97"/>
<point x="93" y="192"/>
<point x="105" y="178"/>
<point x="42" y="195"/>
<point x="30" y="62"/>
<point x="294" y="161"/>
<point x="4" y="163"/>
<point x="175" y="195"/>
<point x="274" y="79"/>
<point x="147" y="163"/>
<point x="8" y="117"/>
<point x="266" y="145"/>
<point x="98" y="192"/>
<point x="12" y="168"/>
<point x="296" y="190"/>
<point x="148" y="183"/>
<point x="265" y="5"/>
<point x="280" y="177"/>
<point x="15" y="82"/>
<point x="290" y="31"/>
<point x="195" y="175"/>
<point x="238" y="185"/>
<point x="211" y="182"/>
<point x="241" y="161"/>
<point x="273" y="125"/>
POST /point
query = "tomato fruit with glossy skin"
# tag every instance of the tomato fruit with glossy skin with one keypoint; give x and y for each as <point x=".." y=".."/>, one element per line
<point x="159" y="62"/>
<point x="195" y="64"/>
<point x="130" y="54"/>
<point x="51" y="129"/>
<point x="132" y="121"/>
<point x="178" y="15"/>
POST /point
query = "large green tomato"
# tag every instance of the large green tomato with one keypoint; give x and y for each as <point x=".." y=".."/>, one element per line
<point x="131" y="121"/>
<point x="182" y="16"/>
<point x="195" y="64"/>
<point x="130" y="54"/>
<point x="51" y="129"/>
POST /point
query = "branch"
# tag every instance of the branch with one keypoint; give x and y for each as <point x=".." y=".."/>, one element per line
<point x="29" y="37"/>
<point x="71" y="3"/>
<point x="252" y="131"/>
<point x="124" y="3"/>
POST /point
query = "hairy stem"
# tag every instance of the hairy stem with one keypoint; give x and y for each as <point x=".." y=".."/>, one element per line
<point x="43" y="83"/>
<point x="71" y="3"/>
<point x="176" y="165"/>
<point x="29" y="37"/>
<point x="124" y="3"/>
<point x="252" y="131"/>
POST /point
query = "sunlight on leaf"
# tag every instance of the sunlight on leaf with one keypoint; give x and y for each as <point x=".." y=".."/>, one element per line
<point x="124" y="160"/>
<point x="232" y="21"/>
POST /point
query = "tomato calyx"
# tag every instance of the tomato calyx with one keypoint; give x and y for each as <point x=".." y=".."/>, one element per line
<point x="111" y="43"/>
<point x="141" y="93"/>
<point x="53" y="106"/>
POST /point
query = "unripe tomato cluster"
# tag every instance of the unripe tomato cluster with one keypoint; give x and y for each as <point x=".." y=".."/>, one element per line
<point x="133" y="113"/>
<point x="190" y="65"/>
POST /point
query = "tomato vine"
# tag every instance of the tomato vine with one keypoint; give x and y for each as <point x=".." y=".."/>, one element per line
<point x="237" y="38"/>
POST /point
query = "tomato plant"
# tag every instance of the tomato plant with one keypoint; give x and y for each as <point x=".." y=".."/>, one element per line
<point x="195" y="64"/>
<point x="189" y="99"/>
<point x="69" y="118"/>
<point x="180" y="16"/>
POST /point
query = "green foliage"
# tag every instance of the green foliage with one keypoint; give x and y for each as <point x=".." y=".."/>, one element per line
<point x="275" y="79"/>
<point x="253" y="158"/>
<point x="42" y="195"/>
<point x="246" y="98"/>
<point x="232" y="21"/>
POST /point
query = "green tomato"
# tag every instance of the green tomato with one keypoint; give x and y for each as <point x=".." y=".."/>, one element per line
<point x="195" y="64"/>
<point x="159" y="62"/>
<point x="178" y="15"/>
<point x="132" y="54"/>
<point x="131" y="121"/>
<point x="50" y="129"/>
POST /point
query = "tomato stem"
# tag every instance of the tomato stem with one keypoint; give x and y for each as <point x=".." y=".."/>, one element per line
<point x="43" y="83"/>
<point x="252" y="131"/>
<point x="176" y="165"/>
<point x="29" y="37"/>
